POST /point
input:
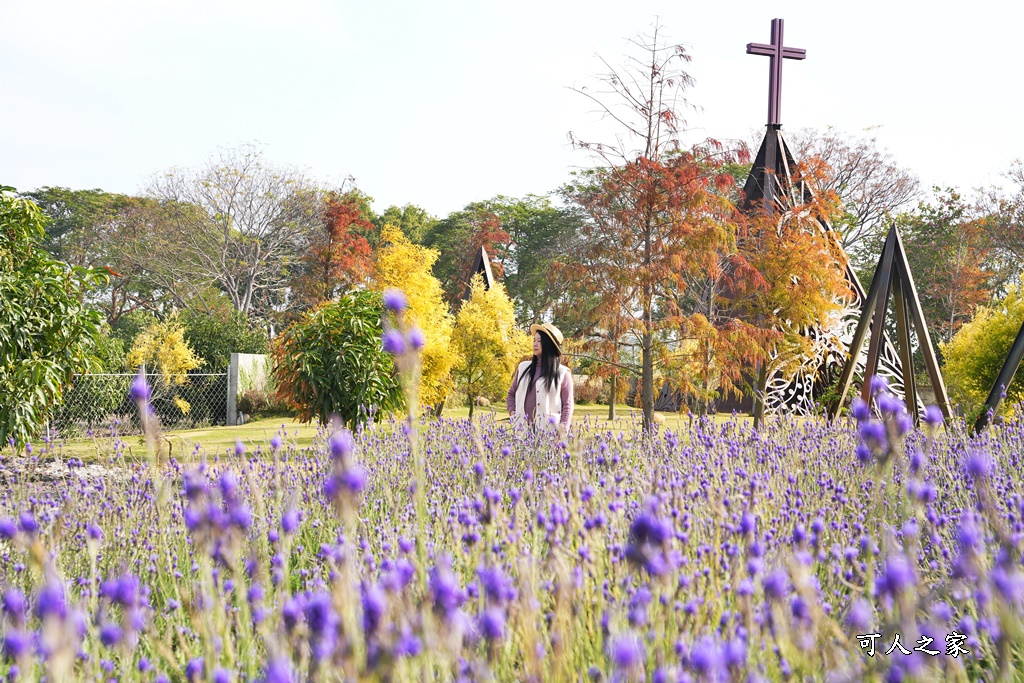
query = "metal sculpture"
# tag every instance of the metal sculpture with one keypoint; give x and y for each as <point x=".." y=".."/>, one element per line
<point x="482" y="266"/>
<point x="1003" y="379"/>
<point x="892" y="276"/>
<point x="771" y="184"/>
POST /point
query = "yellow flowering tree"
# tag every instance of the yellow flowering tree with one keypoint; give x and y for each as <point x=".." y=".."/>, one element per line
<point x="403" y="265"/>
<point x="975" y="354"/>
<point x="487" y="341"/>
<point x="163" y="349"/>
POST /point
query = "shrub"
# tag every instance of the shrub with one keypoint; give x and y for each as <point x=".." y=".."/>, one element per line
<point x="588" y="391"/>
<point x="162" y="348"/>
<point x="331" y="362"/>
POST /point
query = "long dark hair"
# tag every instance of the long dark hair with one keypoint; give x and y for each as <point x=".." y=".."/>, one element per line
<point x="549" y="362"/>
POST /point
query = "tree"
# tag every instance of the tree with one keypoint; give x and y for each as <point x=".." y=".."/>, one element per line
<point x="96" y="229"/>
<point x="162" y="347"/>
<point x="948" y="250"/>
<point x="47" y="332"/>
<point x="1005" y="227"/>
<point x="236" y="221"/>
<point x="414" y="221"/>
<point x="337" y="255"/>
<point x="870" y="183"/>
<point x="975" y="354"/>
<point x="216" y="330"/>
<point x="458" y="238"/>
<point x="403" y="265"/>
<point x="487" y="341"/>
<point x="656" y="208"/>
<point x="331" y="362"/>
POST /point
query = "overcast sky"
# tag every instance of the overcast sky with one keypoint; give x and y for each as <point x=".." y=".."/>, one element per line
<point x="446" y="102"/>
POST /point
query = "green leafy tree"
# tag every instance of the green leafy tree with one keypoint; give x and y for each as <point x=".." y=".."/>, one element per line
<point x="217" y="330"/>
<point x="487" y="341"/>
<point x="975" y="354"/>
<point x="458" y="238"/>
<point x="47" y="332"/>
<point x="414" y="221"/>
<point x="98" y="229"/>
<point x="331" y="362"/>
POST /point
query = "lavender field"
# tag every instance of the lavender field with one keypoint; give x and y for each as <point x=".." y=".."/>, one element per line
<point x="453" y="551"/>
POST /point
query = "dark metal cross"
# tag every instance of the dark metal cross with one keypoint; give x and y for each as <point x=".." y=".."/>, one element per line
<point x="776" y="53"/>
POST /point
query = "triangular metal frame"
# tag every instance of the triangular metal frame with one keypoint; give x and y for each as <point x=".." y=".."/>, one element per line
<point x="1003" y="379"/>
<point x="893" y="277"/>
<point x="481" y="265"/>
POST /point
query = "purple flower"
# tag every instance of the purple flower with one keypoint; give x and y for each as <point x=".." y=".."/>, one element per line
<point x="394" y="342"/>
<point x="776" y="584"/>
<point x="16" y="643"/>
<point x="276" y="442"/>
<point x="444" y="589"/>
<point x="417" y="340"/>
<point x="395" y="300"/>
<point x="221" y="676"/>
<point x="408" y="645"/>
<point x="140" y="389"/>
<point x="706" y="658"/>
<point x="194" y="670"/>
<point x="28" y="523"/>
<point x="290" y="521"/>
<point x="979" y="465"/>
<point x="878" y="384"/>
<point x="50" y="601"/>
<point x="8" y="528"/>
<point x="897" y="576"/>
<point x="14" y="605"/>
<point x="323" y="623"/>
<point x="859" y="616"/>
<point x="278" y="670"/>
<point x="374" y="605"/>
<point x="111" y="634"/>
<point x="342" y="444"/>
<point x="626" y="651"/>
<point x="933" y="415"/>
<point x="239" y="448"/>
<point x="497" y="587"/>
<point x="492" y="623"/>
<point x="94" y="532"/>
<point x="859" y="409"/>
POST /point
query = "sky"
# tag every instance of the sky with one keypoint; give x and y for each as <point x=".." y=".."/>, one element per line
<point x="447" y="102"/>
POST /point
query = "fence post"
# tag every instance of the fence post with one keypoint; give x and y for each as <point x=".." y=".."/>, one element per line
<point x="232" y="416"/>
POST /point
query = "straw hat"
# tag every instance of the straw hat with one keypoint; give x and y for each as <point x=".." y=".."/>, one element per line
<point x="552" y="332"/>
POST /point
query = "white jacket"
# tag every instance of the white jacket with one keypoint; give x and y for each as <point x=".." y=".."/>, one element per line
<point x="549" y="401"/>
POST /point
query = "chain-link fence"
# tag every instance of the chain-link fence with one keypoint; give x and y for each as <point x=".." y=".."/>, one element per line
<point x="98" y="401"/>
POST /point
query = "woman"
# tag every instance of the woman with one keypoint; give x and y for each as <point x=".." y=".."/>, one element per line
<point x="541" y="390"/>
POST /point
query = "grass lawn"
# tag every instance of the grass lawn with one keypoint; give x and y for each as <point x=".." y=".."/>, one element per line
<point x="220" y="441"/>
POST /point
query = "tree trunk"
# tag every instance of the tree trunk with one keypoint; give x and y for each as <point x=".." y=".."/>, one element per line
<point x="759" y="394"/>
<point x="439" y="407"/>
<point x="611" y="400"/>
<point x="647" y="381"/>
<point x="472" y="400"/>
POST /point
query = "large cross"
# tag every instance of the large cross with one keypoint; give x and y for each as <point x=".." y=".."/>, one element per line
<point x="776" y="53"/>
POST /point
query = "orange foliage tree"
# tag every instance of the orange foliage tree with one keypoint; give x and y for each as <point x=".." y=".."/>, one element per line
<point x="338" y="254"/>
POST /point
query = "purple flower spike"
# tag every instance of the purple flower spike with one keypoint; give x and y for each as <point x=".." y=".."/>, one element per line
<point x="395" y="300"/>
<point x="279" y="670"/>
<point x="51" y="602"/>
<point x="979" y="465"/>
<point x="8" y="528"/>
<point x="239" y="448"/>
<point x="492" y="623"/>
<point x="394" y="342"/>
<point x="878" y="383"/>
<point x="417" y="340"/>
<point x="290" y="521"/>
<point x="140" y="389"/>
<point x="933" y="415"/>
<point x="342" y="444"/>
<point x="14" y="604"/>
<point x="859" y="409"/>
<point x="626" y="651"/>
